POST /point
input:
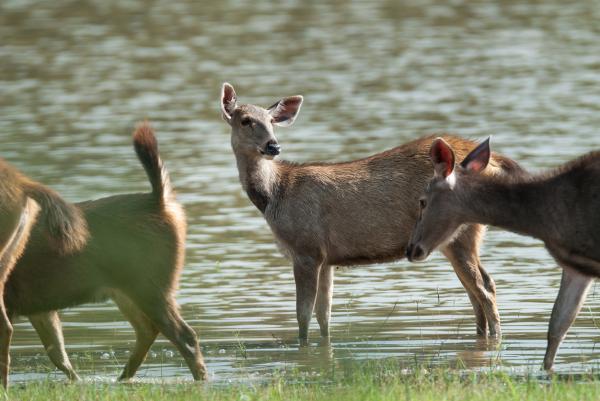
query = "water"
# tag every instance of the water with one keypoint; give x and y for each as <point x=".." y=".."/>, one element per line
<point x="75" y="77"/>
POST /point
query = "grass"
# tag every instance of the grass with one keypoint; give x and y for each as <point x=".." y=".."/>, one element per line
<point x="374" y="380"/>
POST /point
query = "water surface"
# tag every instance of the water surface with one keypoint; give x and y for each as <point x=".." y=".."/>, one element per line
<point x="75" y="76"/>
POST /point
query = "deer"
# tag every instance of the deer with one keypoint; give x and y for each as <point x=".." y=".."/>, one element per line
<point x="22" y="201"/>
<point x="134" y="255"/>
<point x="347" y="213"/>
<point x="559" y="207"/>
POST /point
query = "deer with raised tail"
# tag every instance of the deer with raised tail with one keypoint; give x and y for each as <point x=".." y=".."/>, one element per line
<point x="350" y="213"/>
<point x="21" y="202"/>
<point x="134" y="255"/>
<point x="560" y="207"/>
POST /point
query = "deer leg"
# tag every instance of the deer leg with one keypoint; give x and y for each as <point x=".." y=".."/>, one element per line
<point x="571" y="295"/>
<point x="463" y="253"/>
<point x="9" y="254"/>
<point x="145" y="333"/>
<point x="49" y="329"/>
<point x="306" y="275"/>
<point x="164" y="315"/>
<point x="480" y="319"/>
<point x="6" y="331"/>
<point x="324" y="297"/>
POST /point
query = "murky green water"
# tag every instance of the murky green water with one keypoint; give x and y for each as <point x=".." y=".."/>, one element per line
<point x="75" y="76"/>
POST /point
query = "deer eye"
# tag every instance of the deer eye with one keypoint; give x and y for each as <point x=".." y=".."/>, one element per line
<point x="246" y="121"/>
<point x="422" y="203"/>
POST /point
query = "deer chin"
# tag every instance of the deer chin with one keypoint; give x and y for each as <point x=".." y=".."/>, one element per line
<point x="421" y="257"/>
<point x="266" y="154"/>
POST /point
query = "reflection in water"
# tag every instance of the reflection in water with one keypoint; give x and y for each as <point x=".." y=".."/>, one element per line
<point x="483" y="353"/>
<point x="75" y="78"/>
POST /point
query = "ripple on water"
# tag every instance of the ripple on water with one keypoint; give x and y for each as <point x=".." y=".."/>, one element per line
<point x="75" y="79"/>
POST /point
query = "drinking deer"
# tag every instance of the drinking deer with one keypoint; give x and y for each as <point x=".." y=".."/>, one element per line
<point x="560" y="207"/>
<point x="350" y="213"/>
<point x="134" y="255"/>
<point x="20" y="201"/>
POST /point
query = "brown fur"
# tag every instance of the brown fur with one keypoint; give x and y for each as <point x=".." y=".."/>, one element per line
<point x="559" y="207"/>
<point x="134" y="255"/>
<point x="64" y="228"/>
<point x="349" y="213"/>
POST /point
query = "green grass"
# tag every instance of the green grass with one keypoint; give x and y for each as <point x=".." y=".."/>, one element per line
<point x="381" y="381"/>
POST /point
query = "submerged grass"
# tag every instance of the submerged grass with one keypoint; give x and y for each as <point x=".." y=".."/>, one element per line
<point x="374" y="380"/>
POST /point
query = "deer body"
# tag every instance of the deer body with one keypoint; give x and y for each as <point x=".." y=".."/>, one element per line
<point x="20" y="201"/>
<point x="358" y="212"/>
<point x="560" y="208"/>
<point x="122" y="226"/>
<point x="343" y="213"/>
<point x="134" y="255"/>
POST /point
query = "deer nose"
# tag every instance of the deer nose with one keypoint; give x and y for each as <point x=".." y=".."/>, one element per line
<point x="414" y="252"/>
<point x="273" y="148"/>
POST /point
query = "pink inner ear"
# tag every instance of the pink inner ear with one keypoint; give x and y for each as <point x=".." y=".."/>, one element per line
<point x="286" y="109"/>
<point x="441" y="153"/>
<point x="228" y="100"/>
<point x="476" y="165"/>
<point x="479" y="157"/>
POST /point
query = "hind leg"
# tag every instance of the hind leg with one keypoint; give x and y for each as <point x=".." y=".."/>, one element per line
<point x="324" y="298"/>
<point x="145" y="333"/>
<point x="164" y="315"/>
<point x="49" y="329"/>
<point x="463" y="253"/>
<point x="9" y="254"/>
<point x="6" y="331"/>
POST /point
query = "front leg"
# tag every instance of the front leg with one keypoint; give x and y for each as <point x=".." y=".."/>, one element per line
<point x="324" y="297"/>
<point x="306" y="275"/>
<point x="463" y="253"/>
<point x="571" y="295"/>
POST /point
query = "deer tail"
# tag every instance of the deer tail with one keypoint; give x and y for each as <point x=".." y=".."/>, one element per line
<point x="64" y="222"/>
<point x="146" y="147"/>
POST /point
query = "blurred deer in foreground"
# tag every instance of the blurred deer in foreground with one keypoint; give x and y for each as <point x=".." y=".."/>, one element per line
<point x="134" y="255"/>
<point x="561" y="207"/>
<point x="352" y="213"/>
<point x="20" y="201"/>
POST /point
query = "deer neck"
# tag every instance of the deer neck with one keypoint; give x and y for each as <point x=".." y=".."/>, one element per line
<point x="513" y="206"/>
<point x="259" y="178"/>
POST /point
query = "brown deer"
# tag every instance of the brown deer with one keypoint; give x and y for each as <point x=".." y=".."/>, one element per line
<point x="352" y="213"/>
<point x="20" y="201"/>
<point x="560" y="207"/>
<point x="134" y="255"/>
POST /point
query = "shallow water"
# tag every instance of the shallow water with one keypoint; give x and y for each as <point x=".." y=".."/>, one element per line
<point x="74" y="78"/>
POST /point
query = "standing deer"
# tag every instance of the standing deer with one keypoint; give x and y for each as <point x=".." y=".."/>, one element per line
<point x="561" y="207"/>
<point x="134" y="255"/>
<point x="20" y="201"/>
<point x="352" y="213"/>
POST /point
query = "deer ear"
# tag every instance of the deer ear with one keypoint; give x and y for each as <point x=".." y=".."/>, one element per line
<point x="442" y="157"/>
<point x="285" y="111"/>
<point x="228" y="101"/>
<point x="479" y="157"/>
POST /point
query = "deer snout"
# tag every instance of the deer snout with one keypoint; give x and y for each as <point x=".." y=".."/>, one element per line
<point x="272" y="148"/>
<point x="414" y="252"/>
